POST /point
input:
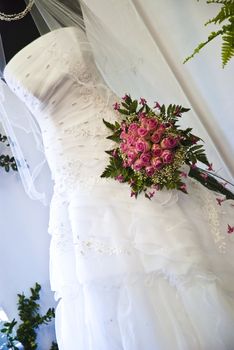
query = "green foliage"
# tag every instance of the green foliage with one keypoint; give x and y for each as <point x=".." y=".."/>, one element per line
<point x="54" y="346"/>
<point x="6" y="161"/>
<point x="226" y="15"/>
<point x="31" y="320"/>
<point x="169" y="176"/>
<point x="9" y="332"/>
<point x="210" y="182"/>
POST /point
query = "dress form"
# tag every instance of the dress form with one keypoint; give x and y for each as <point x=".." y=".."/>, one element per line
<point x="16" y="34"/>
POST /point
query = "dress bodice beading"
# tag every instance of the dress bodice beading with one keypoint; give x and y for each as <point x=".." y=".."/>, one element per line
<point x="60" y="84"/>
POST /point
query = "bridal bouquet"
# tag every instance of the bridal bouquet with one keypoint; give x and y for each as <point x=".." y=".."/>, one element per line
<point x="151" y="149"/>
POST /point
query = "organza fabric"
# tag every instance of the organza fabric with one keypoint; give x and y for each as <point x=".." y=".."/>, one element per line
<point x="127" y="66"/>
<point x="128" y="274"/>
<point x="23" y="132"/>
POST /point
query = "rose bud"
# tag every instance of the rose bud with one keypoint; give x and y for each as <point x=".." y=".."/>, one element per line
<point x="144" y="122"/>
<point x="169" y="142"/>
<point x="133" y="128"/>
<point x="142" y="132"/>
<point x="156" y="137"/>
<point x="137" y="165"/>
<point x="150" y="170"/>
<point x="145" y="158"/>
<point x="132" y="154"/>
<point x="156" y="150"/>
<point x="123" y="135"/>
<point x="142" y="146"/>
<point x="124" y="147"/>
<point x="167" y="157"/>
<point x="156" y="163"/>
<point x="161" y="128"/>
<point x="151" y="124"/>
<point x="131" y="140"/>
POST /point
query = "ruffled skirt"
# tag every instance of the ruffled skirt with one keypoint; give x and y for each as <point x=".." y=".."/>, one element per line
<point x="137" y="274"/>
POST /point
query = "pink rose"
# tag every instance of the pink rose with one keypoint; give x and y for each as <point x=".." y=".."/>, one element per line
<point x="132" y="154"/>
<point x="156" y="163"/>
<point x="133" y="128"/>
<point x="156" y="150"/>
<point x="169" y="142"/>
<point x="142" y="132"/>
<point x="124" y="147"/>
<point x="142" y="146"/>
<point x="150" y="170"/>
<point x="138" y="165"/>
<point x="167" y="157"/>
<point x="130" y="162"/>
<point x="123" y="135"/>
<point x="144" y="122"/>
<point x="145" y="158"/>
<point x="161" y="128"/>
<point x="156" y="137"/>
<point x="151" y="124"/>
<point x="131" y="140"/>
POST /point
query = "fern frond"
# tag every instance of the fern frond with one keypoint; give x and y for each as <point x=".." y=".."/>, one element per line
<point x="224" y="14"/>
<point x="223" y="2"/>
<point x="228" y="45"/>
<point x="211" y="37"/>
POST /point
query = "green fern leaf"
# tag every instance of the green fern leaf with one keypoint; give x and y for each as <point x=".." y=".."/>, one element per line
<point x="228" y="45"/>
<point x="226" y="13"/>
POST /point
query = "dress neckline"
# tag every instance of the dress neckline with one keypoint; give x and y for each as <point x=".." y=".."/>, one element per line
<point x="33" y="43"/>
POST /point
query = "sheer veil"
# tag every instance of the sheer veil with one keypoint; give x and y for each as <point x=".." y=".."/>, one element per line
<point x="112" y="58"/>
<point x="128" y="59"/>
<point x="19" y="124"/>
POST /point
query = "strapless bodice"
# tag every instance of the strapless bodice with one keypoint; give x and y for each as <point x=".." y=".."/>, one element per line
<point x="58" y="80"/>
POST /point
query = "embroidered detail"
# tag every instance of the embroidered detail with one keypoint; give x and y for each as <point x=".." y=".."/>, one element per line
<point x="61" y="243"/>
<point x="213" y="213"/>
<point x="92" y="245"/>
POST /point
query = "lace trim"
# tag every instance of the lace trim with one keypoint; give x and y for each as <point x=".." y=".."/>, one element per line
<point x="213" y="213"/>
<point x="63" y="242"/>
<point x="213" y="217"/>
<point x="180" y="282"/>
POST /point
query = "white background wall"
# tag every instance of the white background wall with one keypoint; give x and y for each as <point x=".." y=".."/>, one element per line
<point x="158" y="36"/>
<point x="177" y="27"/>
<point x="24" y="248"/>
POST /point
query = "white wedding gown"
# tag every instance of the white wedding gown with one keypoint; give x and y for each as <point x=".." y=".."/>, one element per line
<point x="129" y="274"/>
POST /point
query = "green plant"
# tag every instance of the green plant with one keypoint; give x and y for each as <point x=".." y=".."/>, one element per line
<point x="26" y="332"/>
<point x="54" y="346"/>
<point x="6" y="161"/>
<point x="226" y="17"/>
